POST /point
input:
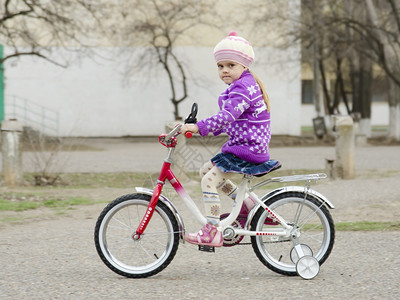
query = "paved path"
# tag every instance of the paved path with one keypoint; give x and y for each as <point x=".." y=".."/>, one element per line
<point x="127" y="155"/>
<point x="56" y="258"/>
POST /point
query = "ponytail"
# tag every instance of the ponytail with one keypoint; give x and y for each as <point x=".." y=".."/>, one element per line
<point x="263" y="91"/>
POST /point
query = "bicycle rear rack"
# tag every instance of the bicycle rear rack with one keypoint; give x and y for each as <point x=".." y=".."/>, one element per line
<point x="292" y="178"/>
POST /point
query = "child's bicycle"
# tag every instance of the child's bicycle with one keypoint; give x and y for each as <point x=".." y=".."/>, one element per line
<point x="291" y="229"/>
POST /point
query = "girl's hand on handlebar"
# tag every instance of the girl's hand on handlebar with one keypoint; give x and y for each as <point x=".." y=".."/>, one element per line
<point x="189" y="128"/>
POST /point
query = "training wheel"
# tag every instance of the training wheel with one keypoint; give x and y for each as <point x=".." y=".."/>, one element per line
<point x="307" y="267"/>
<point x="306" y="251"/>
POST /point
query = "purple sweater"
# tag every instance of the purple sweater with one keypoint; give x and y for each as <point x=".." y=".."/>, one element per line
<point x="243" y="116"/>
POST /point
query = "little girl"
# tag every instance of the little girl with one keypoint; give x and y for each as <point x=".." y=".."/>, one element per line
<point x="245" y="116"/>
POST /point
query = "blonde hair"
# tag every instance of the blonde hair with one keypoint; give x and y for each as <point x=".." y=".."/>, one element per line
<point x="263" y="91"/>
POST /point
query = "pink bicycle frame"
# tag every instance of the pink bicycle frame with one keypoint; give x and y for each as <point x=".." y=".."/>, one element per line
<point x="166" y="173"/>
<point x="170" y="142"/>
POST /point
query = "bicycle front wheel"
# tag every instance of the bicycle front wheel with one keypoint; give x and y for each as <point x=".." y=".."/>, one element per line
<point x="313" y="225"/>
<point x="120" y="252"/>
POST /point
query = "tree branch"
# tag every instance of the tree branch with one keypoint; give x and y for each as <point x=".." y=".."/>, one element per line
<point x="32" y="53"/>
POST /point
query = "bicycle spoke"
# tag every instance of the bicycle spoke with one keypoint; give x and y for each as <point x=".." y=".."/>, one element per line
<point x="306" y="227"/>
<point x="314" y="236"/>
<point x="122" y="223"/>
<point x="307" y="218"/>
<point x="148" y="254"/>
<point x="121" y="241"/>
<point x="160" y="233"/>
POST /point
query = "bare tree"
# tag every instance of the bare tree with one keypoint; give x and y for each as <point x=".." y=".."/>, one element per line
<point x="385" y="19"/>
<point x="343" y="69"/>
<point x="34" y="27"/>
<point x="155" y="28"/>
<point x="372" y="31"/>
<point x="325" y="48"/>
<point x="373" y="28"/>
<point x="342" y="40"/>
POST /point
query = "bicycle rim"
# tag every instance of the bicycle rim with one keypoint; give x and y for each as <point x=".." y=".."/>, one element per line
<point x="142" y="258"/>
<point x="316" y="230"/>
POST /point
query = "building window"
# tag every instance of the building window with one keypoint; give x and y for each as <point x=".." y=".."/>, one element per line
<point x="380" y="89"/>
<point x="307" y="94"/>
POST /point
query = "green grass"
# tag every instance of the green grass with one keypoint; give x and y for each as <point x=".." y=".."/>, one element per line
<point x="367" y="226"/>
<point x="307" y="129"/>
<point x="100" y="180"/>
<point x="380" y="128"/>
<point x="310" y="129"/>
<point x="7" y="205"/>
<point x="73" y="201"/>
<point x="23" y="203"/>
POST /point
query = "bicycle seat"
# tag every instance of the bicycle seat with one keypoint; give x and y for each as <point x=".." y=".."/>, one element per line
<point x="270" y="165"/>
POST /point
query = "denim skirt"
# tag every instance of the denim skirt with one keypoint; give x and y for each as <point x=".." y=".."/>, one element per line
<point x="228" y="162"/>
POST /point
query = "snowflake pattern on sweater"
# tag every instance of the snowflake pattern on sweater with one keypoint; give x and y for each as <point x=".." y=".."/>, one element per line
<point x="243" y="116"/>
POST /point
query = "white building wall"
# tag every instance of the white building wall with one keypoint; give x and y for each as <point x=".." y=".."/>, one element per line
<point x="93" y="99"/>
<point x="379" y="114"/>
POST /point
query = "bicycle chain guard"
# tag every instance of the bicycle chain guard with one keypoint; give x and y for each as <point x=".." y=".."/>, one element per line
<point x="238" y="224"/>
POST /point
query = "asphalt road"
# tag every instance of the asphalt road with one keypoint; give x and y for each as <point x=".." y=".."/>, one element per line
<point x="55" y="258"/>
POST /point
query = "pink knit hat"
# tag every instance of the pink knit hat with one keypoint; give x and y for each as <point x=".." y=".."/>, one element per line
<point x="234" y="48"/>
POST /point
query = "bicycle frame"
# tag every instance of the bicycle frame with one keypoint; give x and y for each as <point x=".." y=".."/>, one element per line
<point x="244" y="191"/>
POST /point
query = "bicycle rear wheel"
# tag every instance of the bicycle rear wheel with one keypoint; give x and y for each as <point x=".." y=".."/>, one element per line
<point x="120" y="252"/>
<point x="314" y="228"/>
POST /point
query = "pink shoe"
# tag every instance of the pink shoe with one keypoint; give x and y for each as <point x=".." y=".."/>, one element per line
<point x="207" y="236"/>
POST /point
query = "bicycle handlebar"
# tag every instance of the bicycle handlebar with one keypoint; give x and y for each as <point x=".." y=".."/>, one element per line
<point x="191" y="119"/>
<point x="175" y="132"/>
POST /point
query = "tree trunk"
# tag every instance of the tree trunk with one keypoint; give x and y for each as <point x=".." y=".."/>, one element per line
<point x="365" y="95"/>
<point x="392" y="69"/>
<point x="327" y="97"/>
<point x="394" y="111"/>
<point x="317" y="89"/>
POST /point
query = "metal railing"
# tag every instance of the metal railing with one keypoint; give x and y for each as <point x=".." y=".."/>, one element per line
<point x="38" y="117"/>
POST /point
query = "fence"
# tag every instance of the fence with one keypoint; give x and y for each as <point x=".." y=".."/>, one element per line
<point x="32" y="115"/>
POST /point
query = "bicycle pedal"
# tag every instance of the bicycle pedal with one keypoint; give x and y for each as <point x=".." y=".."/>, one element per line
<point x="206" y="248"/>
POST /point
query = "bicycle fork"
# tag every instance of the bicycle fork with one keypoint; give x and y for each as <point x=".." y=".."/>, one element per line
<point x="149" y="212"/>
<point x="153" y="201"/>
